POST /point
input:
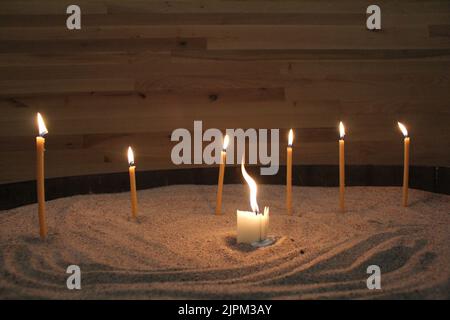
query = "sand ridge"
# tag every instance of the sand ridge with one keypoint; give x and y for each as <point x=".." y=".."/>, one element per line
<point x="178" y="248"/>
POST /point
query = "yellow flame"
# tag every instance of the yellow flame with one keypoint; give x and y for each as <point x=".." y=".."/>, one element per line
<point x="41" y="125"/>
<point x="253" y="188"/>
<point x="290" y="137"/>
<point x="403" y="129"/>
<point x="130" y="156"/>
<point x="226" y="140"/>
<point x="341" y="129"/>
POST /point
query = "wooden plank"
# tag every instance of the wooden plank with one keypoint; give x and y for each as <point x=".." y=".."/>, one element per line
<point x="390" y="19"/>
<point x="75" y="59"/>
<point x="184" y="56"/>
<point x="350" y="6"/>
<point x="149" y="70"/>
<point x="157" y="66"/>
<point x="129" y="122"/>
<point x="180" y="19"/>
<point x="254" y="6"/>
<point x="181" y="102"/>
<point x="154" y="142"/>
<point x="314" y="54"/>
<point x="228" y="37"/>
<point x="105" y="45"/>
<point x="42" y="7"/>
<point x="37" y="87"/>
<point x="367" y="91"/>
<point x="439" y="30"/>
<point x="321" y="37"/>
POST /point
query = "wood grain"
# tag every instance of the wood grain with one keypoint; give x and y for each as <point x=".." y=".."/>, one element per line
<point x="137" y="70"/>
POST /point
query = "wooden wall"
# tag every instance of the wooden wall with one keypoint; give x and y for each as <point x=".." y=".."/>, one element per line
<point x="140" y="69"/>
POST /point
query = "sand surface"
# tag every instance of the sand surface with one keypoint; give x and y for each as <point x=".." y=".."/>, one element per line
<point x="178" y="248"/>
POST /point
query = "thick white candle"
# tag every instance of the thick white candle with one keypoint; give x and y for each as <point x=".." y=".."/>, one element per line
<point x="252" y="227"/>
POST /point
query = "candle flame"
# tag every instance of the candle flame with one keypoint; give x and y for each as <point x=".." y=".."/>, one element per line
<point x="253" y="188"/>
<point x="341" y="130"/>
<point x="130" y="156"/>
<point x="41" y="125"/>
<point x="403" y="129"/>
<point x="290" y="137"/>
<point x="226" y="140"/>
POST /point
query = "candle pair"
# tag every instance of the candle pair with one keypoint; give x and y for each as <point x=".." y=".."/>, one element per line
<point x="342" y="166"/>
<point x="40" y="177"/>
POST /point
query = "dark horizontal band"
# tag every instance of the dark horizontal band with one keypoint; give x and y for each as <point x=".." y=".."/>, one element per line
<point x="433" y="179"/>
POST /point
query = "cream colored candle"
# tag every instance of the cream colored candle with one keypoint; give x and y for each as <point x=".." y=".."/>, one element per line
<point x="40" y="177"/>
<point x="223" y="159"/>
<point x="406" y="143"/>
<point x="289" y="173"/>
<point x="341" y="167"/>
<point x="132" y="172"/>
<point x="252" y="226"/>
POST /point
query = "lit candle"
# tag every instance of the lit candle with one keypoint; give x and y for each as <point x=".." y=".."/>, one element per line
<point x="40" y="148"/>
<point x="252" y="227"/>
<point x="223" y="158"/>
<point x="341" y="166"/>
<point x="405" y="163"/>
<point x="289" y="173"/>
<point x="132" y="172"/>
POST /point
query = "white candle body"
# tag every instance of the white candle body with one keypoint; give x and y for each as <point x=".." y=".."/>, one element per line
<point x="252" y="227"/>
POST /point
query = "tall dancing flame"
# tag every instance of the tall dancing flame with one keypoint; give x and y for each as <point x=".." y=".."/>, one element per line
<point x="253" y="188"/>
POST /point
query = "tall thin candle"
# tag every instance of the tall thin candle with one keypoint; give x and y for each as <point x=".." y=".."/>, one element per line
<point x="40" y="177"/>
<point x="223" y="159"/>
<point x="341" y="167"/>
<point x="289" y="173"/>
<point x="132" y="172"/>
<point x="406" y="143"/>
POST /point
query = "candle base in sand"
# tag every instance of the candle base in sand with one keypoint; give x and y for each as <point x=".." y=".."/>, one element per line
<point x="263" y="243"/>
